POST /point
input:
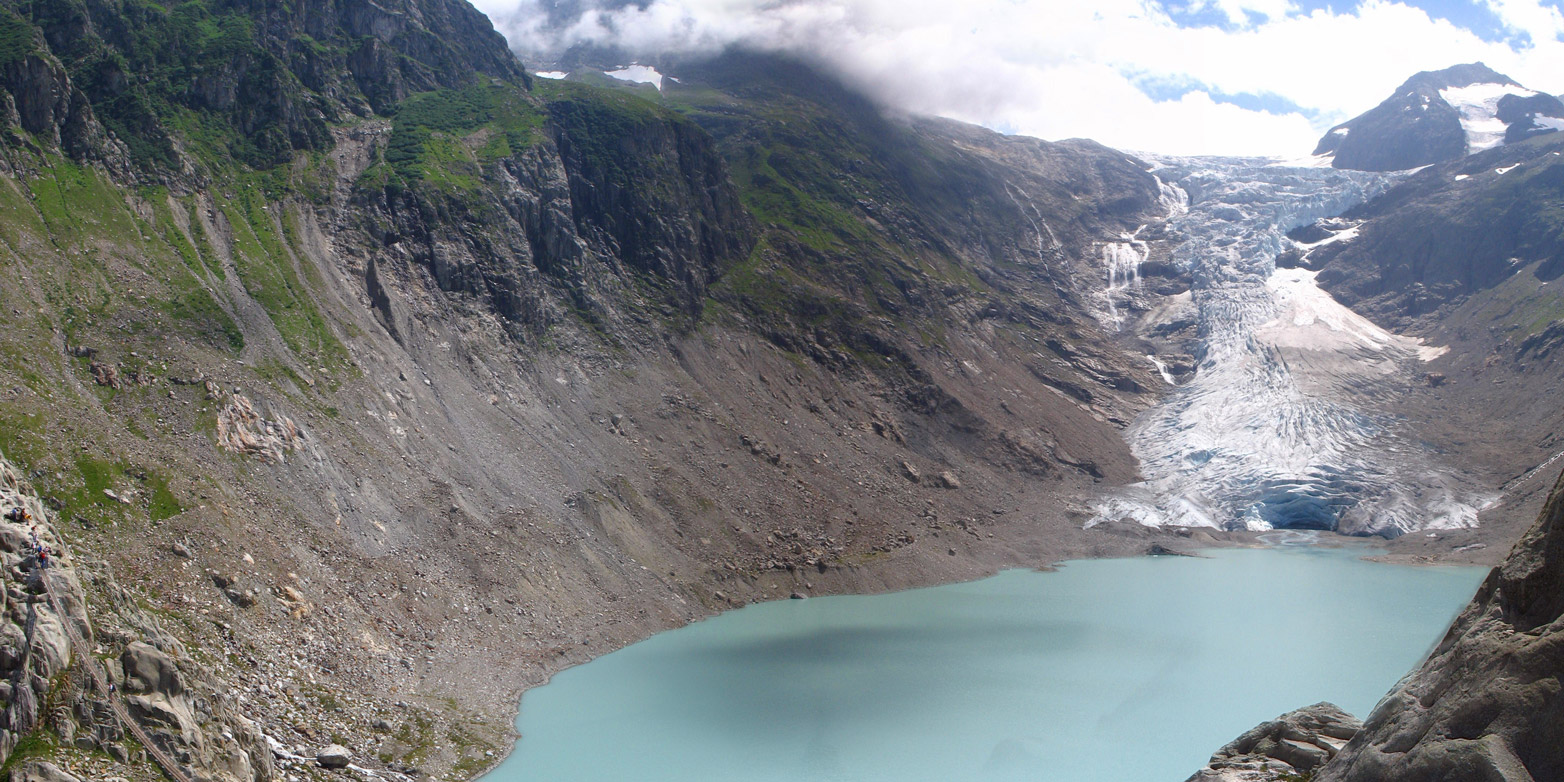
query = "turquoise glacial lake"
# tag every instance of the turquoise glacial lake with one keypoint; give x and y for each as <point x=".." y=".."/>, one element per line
<point x="1106" y="670"/>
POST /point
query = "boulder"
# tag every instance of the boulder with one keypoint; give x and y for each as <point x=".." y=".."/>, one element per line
<point x="1295" y="743"/>
<point x="41" y="771"/>
<point x="334" y="756"/>
<point x="148" y="669"/>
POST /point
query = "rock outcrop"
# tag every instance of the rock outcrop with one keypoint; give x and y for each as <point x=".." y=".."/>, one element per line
<point x="1287" y="747"/>
<point x="179" y="704"/>
<point x="41" y="771"/>
<point x="1486" y="705"/>
<point x="34" y="648"/>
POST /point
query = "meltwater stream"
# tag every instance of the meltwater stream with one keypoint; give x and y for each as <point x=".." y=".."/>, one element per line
<point x="1128" y="670"/>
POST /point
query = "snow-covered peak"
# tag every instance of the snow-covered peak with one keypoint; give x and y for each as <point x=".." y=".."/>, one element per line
<point x="1442" y="115"/>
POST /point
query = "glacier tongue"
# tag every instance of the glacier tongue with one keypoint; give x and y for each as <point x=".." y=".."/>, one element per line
<point x="1283" y="423"/>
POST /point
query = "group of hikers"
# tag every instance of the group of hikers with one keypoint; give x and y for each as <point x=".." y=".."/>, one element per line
<point x="19" y="515"/>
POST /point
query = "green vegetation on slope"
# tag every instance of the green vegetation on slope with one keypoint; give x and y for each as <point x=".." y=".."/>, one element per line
<point x="445" y="136"/>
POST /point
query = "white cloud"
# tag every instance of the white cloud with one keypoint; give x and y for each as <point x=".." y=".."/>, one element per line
<point x="1056" y="68"/>
<point x="1539" y="22"/>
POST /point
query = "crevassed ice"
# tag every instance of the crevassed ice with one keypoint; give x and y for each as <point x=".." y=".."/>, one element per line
<point x="1281" y="426"/>
<point x="1478" y="105"/>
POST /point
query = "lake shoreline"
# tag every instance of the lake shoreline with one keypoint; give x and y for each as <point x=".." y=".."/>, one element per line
<point x="1225" y="541"/>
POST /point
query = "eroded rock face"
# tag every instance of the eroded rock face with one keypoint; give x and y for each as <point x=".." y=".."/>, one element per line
<point x="1295" y="743"/>
<point x="182" y="706"/>
<point x="33" y="644"/>
<point x="242" y="429"/>
<point x="1487" y="704"/>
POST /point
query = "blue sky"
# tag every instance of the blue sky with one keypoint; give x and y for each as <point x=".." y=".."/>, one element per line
<point x="1189" y="77"/>
<point x="1471" y="16"/>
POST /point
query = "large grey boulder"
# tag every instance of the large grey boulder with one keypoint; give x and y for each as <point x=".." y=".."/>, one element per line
<point x="156" y="696"/>
<point x="334" y="756"/>
<point x="149" y="670"/>
<point x="41" y="771"/>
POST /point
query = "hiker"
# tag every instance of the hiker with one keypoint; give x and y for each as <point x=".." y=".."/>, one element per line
<point x="43" y="556"/>
<point x="18" y="515"/>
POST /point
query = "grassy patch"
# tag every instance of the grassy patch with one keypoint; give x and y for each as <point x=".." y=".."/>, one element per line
<point x="42" y="743"/>
<point x="445" y="136"/>
<point x="162" y="503"/>
<point x="76" y="203"/>
<point x="267" y="270"/>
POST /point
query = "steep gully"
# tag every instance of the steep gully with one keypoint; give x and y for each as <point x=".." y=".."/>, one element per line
<point x="1288" y="419"/>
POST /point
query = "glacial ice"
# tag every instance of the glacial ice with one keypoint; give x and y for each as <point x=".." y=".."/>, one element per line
<point x="1284" y="423"/>
<point x="1478" y="105"/>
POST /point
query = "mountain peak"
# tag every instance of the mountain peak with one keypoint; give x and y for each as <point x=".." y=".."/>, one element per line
<point x="1441" y="115"/>
<point x="1463" y="75"/>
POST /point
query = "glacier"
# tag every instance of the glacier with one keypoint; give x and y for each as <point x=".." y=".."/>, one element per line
<point x="1285" y="422"/>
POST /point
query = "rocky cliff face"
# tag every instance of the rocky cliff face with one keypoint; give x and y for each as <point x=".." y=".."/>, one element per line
<point x="259" y="80"/>
<point x="50" y="698"/>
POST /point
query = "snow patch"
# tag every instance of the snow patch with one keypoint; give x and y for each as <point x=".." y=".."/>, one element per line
<point x="639" y="74"/>
<point x="1309" y="318"/>
<point x="1460" y="177"/>
<point x="1340" y="236"/>
<point x="1506" y="169"/>
<point x="552" y="74"/>
<point x="1544" y="121"/>
<point x="1478" y="105"/>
